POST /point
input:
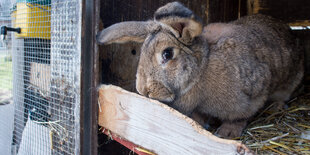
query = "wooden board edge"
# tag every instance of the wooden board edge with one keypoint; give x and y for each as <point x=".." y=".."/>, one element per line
<point x="131" y="146"/>
<point x="198" y="128"/>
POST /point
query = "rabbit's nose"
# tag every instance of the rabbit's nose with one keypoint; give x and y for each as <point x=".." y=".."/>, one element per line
<point x="147" y="94"/>
<point x="142" y="90"/>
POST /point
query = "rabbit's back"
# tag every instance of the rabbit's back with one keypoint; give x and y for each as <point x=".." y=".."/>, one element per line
<point x="260" y="54"/>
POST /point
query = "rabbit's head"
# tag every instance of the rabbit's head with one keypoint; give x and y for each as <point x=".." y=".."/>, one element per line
<point x="172" y="53"/>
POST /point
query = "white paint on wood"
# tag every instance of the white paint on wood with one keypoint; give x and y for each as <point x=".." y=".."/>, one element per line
<point x="40" y="76"/>
<point x="157" y="127"/>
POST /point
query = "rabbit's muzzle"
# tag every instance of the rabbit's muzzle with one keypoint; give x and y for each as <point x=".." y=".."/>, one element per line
<point x="154" y="90"/>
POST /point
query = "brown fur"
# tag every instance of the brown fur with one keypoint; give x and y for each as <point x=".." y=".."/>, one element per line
<point x="227" y="71"/>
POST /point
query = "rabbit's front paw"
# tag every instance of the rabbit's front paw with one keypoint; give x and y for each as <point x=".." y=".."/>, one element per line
<point x="231" y="129"/>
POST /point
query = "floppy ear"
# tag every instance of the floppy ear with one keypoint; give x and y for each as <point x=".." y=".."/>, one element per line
<point x="185" y="23"/>
<point x="124" y="32"/>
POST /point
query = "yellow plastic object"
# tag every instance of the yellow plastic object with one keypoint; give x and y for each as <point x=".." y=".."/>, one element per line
<point x="33" y="19"/>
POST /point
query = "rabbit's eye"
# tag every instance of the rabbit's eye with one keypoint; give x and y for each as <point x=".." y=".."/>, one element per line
<point x="167" y="54"/>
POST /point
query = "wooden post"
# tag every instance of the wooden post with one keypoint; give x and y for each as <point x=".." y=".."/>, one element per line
<point x="89" y="77"/>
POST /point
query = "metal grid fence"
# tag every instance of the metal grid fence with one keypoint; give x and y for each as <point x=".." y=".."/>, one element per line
<point x="6" y="78"/>
<point x="46" y="76"/>
<point x="5" y="51"/>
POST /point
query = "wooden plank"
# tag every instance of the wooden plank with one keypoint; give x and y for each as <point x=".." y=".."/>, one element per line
<point x="223" y="10"/>
<point x="300" y="23"/>
<point x="40" y="76"/>
<point x="120" y="10"/>
<point x="287" y="10"/>
<point x="157" y="127"/>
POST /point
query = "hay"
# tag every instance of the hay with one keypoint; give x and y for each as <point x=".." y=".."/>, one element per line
<point x="284" y="131"/>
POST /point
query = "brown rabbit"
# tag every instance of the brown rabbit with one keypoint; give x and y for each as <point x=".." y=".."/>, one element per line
<point x="225" y="70"/>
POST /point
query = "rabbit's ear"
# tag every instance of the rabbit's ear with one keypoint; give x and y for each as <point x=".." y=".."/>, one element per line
<point x="124" y="32"/>
<point x="185" y="23"/>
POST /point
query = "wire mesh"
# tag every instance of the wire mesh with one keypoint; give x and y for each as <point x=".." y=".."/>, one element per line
<point x="6" y="78"/>
<point x="5" y="51"/>
<point x="44" y="76"/>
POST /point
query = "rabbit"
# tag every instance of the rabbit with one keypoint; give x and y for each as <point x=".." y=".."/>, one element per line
<point x="224" y="70"/>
